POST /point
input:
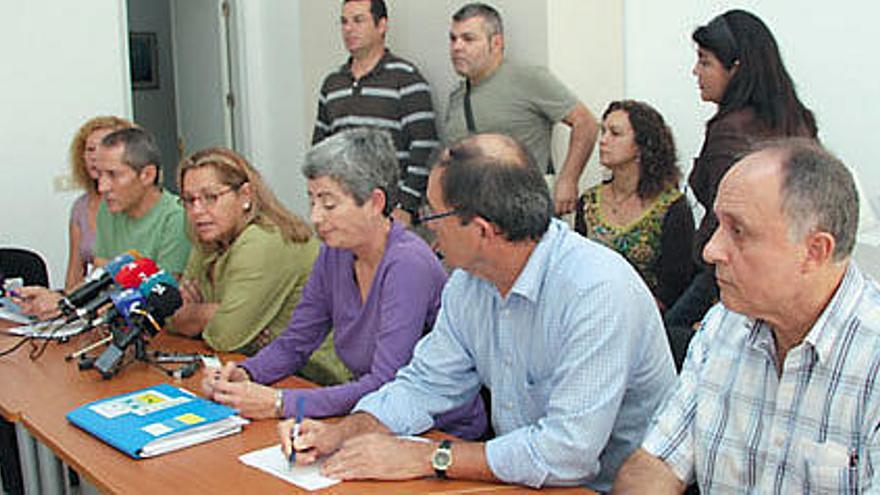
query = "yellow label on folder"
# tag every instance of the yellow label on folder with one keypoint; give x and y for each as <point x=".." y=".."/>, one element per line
<point x="190" y="418"/>
<point x="150" y="398"/>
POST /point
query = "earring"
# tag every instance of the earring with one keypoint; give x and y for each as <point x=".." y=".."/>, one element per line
<point x="247" y="206"/>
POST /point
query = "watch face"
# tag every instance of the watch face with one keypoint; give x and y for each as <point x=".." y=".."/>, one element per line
<point x="441" y="459"/>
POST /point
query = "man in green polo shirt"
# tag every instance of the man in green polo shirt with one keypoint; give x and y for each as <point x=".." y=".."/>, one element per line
<point x="135" y="212"/>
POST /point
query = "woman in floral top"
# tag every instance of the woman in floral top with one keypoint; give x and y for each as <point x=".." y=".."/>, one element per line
<point x="640" y="212"/>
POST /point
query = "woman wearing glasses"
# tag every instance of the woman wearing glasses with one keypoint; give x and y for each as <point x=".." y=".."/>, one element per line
<point x="375" y="284"/>
<point x="251" y="256"/>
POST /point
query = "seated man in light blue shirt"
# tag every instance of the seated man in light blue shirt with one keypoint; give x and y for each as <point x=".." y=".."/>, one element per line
<point x="561" y="330"/>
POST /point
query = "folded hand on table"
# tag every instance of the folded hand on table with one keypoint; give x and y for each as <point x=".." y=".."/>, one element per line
<point x="232" y="386"/>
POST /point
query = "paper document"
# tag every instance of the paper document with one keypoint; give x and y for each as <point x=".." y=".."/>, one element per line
<point x="272" y="461"/>
<point x="48" y="330"/>
<point x="12" y="312"/>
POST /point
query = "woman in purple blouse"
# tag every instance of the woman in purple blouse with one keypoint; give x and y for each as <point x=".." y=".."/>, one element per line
<point x="375" y="284"/>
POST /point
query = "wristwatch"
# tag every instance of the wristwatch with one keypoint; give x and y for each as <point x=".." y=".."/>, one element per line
<point x="442" y="458"/>
<point x="279" y="403"/>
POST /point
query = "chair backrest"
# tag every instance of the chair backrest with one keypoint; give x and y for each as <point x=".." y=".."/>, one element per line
<point x="29" y="265"/>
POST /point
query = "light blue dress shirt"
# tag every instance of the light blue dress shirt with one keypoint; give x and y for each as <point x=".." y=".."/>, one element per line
<point x="575" y="356"/>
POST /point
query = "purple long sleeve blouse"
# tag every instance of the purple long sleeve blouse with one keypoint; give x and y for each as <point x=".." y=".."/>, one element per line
<point x="374" y="338"/>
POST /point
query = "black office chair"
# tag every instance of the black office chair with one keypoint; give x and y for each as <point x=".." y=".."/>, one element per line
<point x="29" y="265"/>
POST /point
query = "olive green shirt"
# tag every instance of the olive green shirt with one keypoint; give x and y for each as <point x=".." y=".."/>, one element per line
<point x="521" y="101"/>
<point x="257" y="283"/>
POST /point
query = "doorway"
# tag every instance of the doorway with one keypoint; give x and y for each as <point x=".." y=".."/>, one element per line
<point x="182" y="88"/>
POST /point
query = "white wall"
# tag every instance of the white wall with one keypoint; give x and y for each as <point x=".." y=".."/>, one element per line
<point x="828" y="48"/>
<point x="63" y="62"/>
<point x="585" y="45"/>
<point x="270" y="94"/>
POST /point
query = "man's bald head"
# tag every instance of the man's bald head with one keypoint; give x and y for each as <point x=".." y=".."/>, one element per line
<point x="494" y="177"/>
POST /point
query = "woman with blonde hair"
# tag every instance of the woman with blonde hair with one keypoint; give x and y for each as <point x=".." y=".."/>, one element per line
<point x="250" y="258"/>
<point x="83" y="150"/>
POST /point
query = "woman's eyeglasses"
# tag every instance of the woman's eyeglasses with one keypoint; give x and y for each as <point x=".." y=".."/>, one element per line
<point x="208" y="199"/>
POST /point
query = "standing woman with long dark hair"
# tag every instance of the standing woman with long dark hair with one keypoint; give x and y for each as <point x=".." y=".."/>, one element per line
<point x="740" y="69"/>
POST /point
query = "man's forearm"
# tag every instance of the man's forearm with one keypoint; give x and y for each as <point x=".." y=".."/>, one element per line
<point x="644" y="473"/>
<point x="584" y="130"/>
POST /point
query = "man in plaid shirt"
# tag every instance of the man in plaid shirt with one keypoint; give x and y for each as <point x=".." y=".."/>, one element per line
<point x="778" y="392"/>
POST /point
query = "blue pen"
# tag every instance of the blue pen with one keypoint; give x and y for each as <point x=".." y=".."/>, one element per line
<point x="300" y="405"/>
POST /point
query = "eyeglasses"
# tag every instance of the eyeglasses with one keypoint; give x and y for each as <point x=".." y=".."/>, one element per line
<point x="207" y="199"/>
<point x="436" y="216"/>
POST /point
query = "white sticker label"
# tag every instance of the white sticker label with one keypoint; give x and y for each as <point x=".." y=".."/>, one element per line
<point x="211" y="362"/>
<point x="156" y="429"/>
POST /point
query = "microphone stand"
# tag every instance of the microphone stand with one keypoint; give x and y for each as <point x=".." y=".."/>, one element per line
<point x="110" y="362"/>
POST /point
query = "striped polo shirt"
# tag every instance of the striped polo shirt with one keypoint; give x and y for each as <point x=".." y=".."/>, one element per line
<point x="395" y="97"/>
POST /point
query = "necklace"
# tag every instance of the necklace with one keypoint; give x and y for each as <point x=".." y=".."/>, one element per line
<point x="615" y="204"/>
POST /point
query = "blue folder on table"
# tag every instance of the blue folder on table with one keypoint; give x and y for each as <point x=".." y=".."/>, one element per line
<point x="156" y="420"/>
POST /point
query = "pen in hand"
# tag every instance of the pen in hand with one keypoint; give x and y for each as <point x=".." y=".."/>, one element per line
<point x="300" y="405"/>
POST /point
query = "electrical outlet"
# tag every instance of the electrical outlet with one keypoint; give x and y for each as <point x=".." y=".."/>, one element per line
<point x="62" y="183"/>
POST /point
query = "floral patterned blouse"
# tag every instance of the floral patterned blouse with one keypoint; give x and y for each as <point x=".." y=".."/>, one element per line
<point x="658" y="243"/>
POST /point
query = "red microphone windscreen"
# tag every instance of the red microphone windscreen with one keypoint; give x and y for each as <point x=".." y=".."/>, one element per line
<point x="133" y="274"/>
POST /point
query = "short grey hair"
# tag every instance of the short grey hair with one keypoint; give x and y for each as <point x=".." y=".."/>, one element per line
<point x="140" y="151"/>
<point x="491" y="17"/>
<point x="360" y="160"/>
<point x="818" y="193"/>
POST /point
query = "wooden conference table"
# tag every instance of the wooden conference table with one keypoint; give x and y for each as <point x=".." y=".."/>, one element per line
<point x="37" y="394"/>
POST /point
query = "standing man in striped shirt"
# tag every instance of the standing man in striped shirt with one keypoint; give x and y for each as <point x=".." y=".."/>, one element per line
<point x="376" y="88"/>
<point x="779" y="390"/>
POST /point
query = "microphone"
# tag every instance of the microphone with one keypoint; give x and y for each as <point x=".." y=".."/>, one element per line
<point x="160" y="277"/>
<point x="129" y="276"/>
<point x="163" y="301"/>
<point x="135" y="273"/>
<point x="123" y="304"/>
<point x="99" y="280"/>
<point x="140" y="315"/>
<point x="122" y="301"/>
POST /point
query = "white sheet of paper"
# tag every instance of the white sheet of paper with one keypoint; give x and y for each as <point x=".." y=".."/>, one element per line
<point x="10" y="311"/>
<point x="44" y="330"/>
<point x="272" y="461"/>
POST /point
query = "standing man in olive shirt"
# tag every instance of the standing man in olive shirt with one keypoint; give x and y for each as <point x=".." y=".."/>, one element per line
<point x="523" y="102"/>
<point x="376" y="88"/>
